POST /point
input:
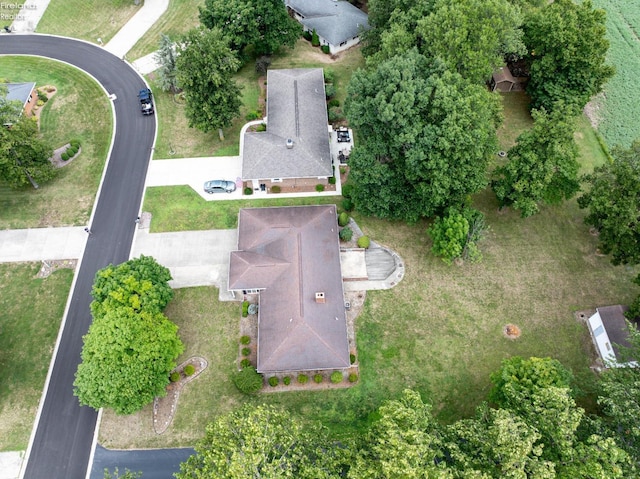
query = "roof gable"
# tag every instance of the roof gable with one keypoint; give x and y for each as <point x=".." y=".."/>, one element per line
<point x="296" y="110"/>
<point x="291" y="253"/>
<point x="19" y="92"/>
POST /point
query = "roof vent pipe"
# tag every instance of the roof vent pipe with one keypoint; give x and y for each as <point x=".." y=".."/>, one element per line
<point x="289" y="143"/>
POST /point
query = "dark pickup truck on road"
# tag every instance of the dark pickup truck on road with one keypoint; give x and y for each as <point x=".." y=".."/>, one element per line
<point x="146" y="101"/>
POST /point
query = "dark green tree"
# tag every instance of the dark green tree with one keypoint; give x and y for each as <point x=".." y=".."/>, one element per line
<point x="542" y="166"/>
<point x="567" y="44"/>
<point x="9" y="109"/>
<point x="426" y="137"/>
<point x="472" y="37"/>
<point x="613" y="201"/>
<point x="204" y="71"/>
<point x="24" y="155"/>
<point x="166" y="56"/>
<point x="265" y="24"/>
<point x="262" y="441"/>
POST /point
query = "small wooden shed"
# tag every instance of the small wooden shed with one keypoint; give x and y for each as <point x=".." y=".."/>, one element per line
<point x="502" y="80"/>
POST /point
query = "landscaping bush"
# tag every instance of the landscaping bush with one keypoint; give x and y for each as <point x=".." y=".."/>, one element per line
<point x="334" y="102"/>
<point x="262" y="64"/>
<point x="335" y="114"/>
<point x="253" y="115"/>
<point x="332" y="180"/>
<point x="343" y="219"/>
<point x="347" y="204"/>
<point x="273" y="381"/>
<point x="364" y="242"/>
<point x="246" y="351"/>
<point x="317" y="378"/>
<point x="315" y="40"/>
<point x="65" y="156"/>
<point x="346" y="234"/>
<point x="353" y="377"/>
<point x="306" y="35"/>
<point x="248" y="380"/>
<point x="245" y="309"/>
<point x="248" y="191"/>
<point x="352" y="358"/>
<point x="42" y="97"/>
<point x="303" y="378"/>
<point x="275" y="189"/>
<point x="261" y="127"/>
<point x="245" y="363"/>
<point x="336" y="377"/>
<point x="174" y="376"/>
<point x="189" y="369"/>
<point x="39" y="102"/>
<point x="75" y="143"/>
<point x="286" y="380"/>
<point x="319" y="188"/>
<point x="329" y="75"/>
<point x="329" y="90"/>
<point x="253" y="308"/>
<point x="245" y="340"/>
<point x="71" y="152"/>
<point x="347" y="191"/>
<point x="325" y="49"/>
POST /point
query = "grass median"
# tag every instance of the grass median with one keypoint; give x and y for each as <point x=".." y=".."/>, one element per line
<point x="32" y="309"/>
<point x="67" y="199"/>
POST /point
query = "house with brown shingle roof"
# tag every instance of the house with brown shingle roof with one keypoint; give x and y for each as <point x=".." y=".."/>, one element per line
<point x="294" y="150"/>
<point x="291" y="257"/>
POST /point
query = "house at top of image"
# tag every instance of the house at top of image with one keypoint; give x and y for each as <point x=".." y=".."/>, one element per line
<point x="609" y="330"/>
<point x="337" y="22"/>
<point x="294" y="150"/>
<point x="290" y="256"/>
<point x="24" y="93"/>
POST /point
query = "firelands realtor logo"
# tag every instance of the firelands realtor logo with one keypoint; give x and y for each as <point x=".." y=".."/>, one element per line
<point x="15" y="11"/>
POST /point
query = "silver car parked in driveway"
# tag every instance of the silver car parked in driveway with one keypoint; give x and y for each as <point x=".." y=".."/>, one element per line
<point x="219" y="186"/>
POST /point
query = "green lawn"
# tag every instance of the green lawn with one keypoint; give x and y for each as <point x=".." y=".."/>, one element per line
<point x="88" y="20"/>
<point x="180" y="17"/>
<point x="68" y="199"/>
<point x="32" y="309"/>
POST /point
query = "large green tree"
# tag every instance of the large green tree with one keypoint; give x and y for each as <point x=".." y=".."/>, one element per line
<point x="613" y="201"/>
<point x="567" y="44"/>
<point x="205" y="67"/>
<point x="131" y="346"/>
<point x="266" y="442"/>
<point x="472" y="37"/>
<point x="542" y="166"/>
<point x="9" y="109"/>
<point x="265" y="24"/>
<point x="167" y="56"/>
<point x="24" y="155"/>
<point x="426" y="137"/>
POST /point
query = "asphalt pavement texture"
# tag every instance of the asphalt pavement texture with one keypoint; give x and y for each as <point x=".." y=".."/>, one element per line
<point x="153" y="463"/>
<point x="62" y="444"/>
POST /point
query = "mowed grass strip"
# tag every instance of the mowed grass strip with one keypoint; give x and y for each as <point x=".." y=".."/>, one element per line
<point x="179" y="208"/>
<point x="180" y="17"/>
<point x="32" y="310"/>
<point x="67" y="199"/>
<point x="619" y="107"/>
<point x="88" y="20"/>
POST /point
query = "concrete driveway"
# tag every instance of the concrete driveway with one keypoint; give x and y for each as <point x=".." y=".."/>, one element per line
<point x="195" y="258"/>
<point x="195" y="171"/>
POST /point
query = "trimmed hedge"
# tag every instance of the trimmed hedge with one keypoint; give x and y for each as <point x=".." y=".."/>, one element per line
<point x="364" y="242"/>
<point x="275" y="189"/>
<point x="325" y="49"/>
<point x="346" y="234"/>
<point x="343" y="219"/>
<point x="306" y="35"/>
<point x="303" y="378"/>
<point x="352" y="358"/>
<point x="286" y="380"/>
<point x="332" y="180"/>
<point x="353" y="377"/>
<point x="347" y="204"/>
<point x="189" y="369"/>
<point x="65" y="156"/>
<point x="245" y="309"/>
<point x="246" y="351"/>
<point x="319" y="188"/>
<point x="248" y="191"/>
<point x="248" y="380"/>
<point x="174" y="376"/>
<point x="245" y="340"/>
<point x="273" y="381"/>
<point x="245" y="363"/>
<point x="315" y="39"/>
<point x="336" y="377"/>
<point x="317" y="378"/>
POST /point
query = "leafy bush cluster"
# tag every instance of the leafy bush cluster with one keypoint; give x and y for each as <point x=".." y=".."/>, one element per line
<point x="303" y="378"/>
<point x="456" y="234"/>
<point x="245" y="340"/>
<point x="248" y="380"/>
<point x="315" y="40"/>
<point x="189" y="370"/>
<point x="42" y="97"/>
<point x="346" y="234"/>
<point x="273" y="381"/>
<point x="245" y="309"/>
<point x="306" y="34"/>
<point x="246" y="351"/>
<point x="336" y="377"/>
<point x="343" y="219"/>
<point x="325" y="49"/>
<point x="319" y="188"/>
<point x="317" y="378"/>
<point x="248" y="191"/>
<point x="364" y="242"/>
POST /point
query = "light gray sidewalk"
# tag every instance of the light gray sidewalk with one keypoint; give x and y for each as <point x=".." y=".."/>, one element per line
<point x="26" y="19"/>
<point x="136" y="27"/>
<point x="146" y="64"/>
<point x="40" y="244"/>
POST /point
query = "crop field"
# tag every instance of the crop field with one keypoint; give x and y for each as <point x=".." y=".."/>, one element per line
<point x="619" y="107"/>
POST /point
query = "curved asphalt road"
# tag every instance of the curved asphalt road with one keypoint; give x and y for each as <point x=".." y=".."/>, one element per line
<point x="153" y="463"/>
<point x="62" y="444"/>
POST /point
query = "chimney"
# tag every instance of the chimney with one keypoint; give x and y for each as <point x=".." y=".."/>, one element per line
<point x="320" y="297"/>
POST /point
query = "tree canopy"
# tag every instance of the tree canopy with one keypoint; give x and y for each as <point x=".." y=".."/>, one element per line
<point x="426" y="137"/>
<point x="543" y="165"/>
<point x="167" y="56"/>
<point x="24" y="155"/>
<point x="205" y="67"/>
<point x="131" y="346"/>
<point x="613" y="201"/>
<point x="265" y="24"/>
<point x="567" y="44"/>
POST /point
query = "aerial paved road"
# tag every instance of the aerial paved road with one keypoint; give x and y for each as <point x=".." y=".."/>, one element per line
<point x="63" y="439"/>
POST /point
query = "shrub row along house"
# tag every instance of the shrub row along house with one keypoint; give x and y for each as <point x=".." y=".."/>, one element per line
<point x="291" y="257"/>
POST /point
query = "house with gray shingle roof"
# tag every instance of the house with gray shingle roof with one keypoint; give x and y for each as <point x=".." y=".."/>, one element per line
<point x="24" y="93"/>
<point x="295" y="148"/>
<point x="291" y="257"/>
<point x="337" y="22"/>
